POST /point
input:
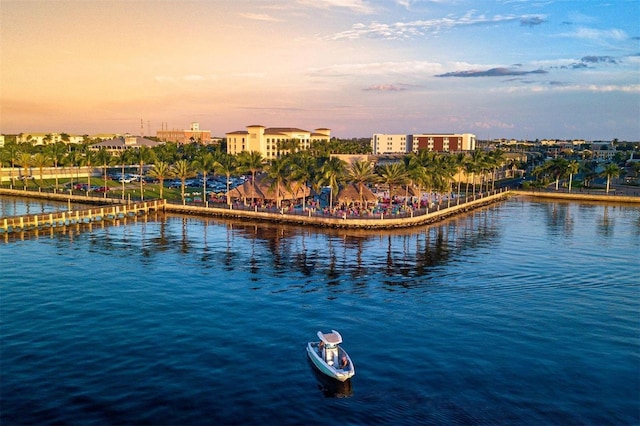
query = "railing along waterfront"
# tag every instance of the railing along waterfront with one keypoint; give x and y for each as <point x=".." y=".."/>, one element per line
<point x="341" y="218"/>
<point x="78" y="216"/>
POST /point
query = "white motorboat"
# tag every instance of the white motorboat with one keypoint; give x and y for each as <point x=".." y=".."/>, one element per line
<point x="329" y="357"/>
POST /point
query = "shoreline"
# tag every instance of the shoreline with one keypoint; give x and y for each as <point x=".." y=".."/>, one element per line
<point x="345" y="222"/>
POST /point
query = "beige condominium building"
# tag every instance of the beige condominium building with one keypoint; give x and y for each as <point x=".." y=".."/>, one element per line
<point x="272" y="142"/>
<point x="390" y="144"/>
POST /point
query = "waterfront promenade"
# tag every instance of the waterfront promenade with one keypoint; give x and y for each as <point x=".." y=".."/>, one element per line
<point x="321" y="218"/>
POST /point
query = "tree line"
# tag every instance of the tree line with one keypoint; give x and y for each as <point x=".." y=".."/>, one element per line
<point x="316" y="168"/>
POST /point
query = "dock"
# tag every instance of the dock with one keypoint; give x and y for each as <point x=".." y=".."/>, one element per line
<point x="80" y="216"/>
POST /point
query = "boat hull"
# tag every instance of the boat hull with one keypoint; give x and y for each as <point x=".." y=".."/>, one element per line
<point x="329" y="370"/>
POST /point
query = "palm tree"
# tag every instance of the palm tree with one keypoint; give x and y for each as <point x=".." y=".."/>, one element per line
<point x="57" y="152"/>
<point x="572" y="169"/>
<point x="183" y="170"/>
<point x="74" y="158"/>
<point x="588" y="169"/>
<point x="204" y="162"/>
<point x="471" y="166"/>
<point x="279" y="173"/>
<point x="426" y="170"/>
<point x="167" y="152"/>
<point x="161" y="170"/>
<point x="227" y="164"/>
<point x="105" y="159"/>
<point x="557" y="168"/>
<point x="10" y="155"/>
<point x="393" y="174"/>
<point x="253" y="162"/>
<point x="124" y="157"/>
<point x="87" y="160"/>
<point x="415" y="171"/>
<point x="144" y="156"/>
<point x="40" y="161"/>
<point x="460" y="161"/>
<point x="611" y="170"/>
<point x="361" y="172"/>
<point x="333" y="172"/>
<point x="25" y="161"/>
<point x="304" y="168"/>
<point x="496" y="159"/>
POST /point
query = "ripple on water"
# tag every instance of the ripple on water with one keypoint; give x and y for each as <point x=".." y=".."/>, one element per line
<point x="523" y="313"/>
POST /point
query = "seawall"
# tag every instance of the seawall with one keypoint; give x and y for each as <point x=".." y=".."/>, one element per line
<point x="379" y="222"/>
<point x="371" y="222"/>
<point x="579" y="197"/>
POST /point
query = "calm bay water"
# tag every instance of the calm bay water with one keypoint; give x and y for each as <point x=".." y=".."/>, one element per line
<point x="524" y="312"/>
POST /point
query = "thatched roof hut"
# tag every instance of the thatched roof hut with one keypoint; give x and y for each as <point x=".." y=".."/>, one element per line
<point x="401" y="191"/>
<point x="351" y="194"/>
<point x="264" y="190"/>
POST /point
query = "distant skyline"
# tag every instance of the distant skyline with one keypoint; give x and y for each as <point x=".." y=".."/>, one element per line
<point x="522" y="69"/>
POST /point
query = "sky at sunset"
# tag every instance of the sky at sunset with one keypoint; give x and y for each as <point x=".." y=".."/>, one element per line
<point x="499" y="69"/>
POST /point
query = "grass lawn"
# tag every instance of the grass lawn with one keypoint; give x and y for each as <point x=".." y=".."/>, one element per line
<point x="151" y="190"/>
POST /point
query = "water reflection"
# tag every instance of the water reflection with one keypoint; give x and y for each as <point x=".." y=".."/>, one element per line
<point x="336" y="255"/>
<point x="559" y="218"/>
<point x="329" y="387"/>
<point x="606" y="224"/>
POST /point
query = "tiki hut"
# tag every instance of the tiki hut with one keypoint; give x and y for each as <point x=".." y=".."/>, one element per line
<point x="264" y="190"/>
<point x="401" y="191"/>
<point x="351" y="194"/>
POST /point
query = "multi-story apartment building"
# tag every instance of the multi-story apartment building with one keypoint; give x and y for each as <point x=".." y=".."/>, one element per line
<point x="603" y="151"/>
<point x="444" y="142"/>
<point x="194" y="134"/>
<point x="399" y="144"/>
<point x="272" y="142"/>
<point x="48" y="138"/>
<point x="390" y="144"/>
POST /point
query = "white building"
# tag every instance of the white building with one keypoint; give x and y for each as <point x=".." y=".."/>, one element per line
<point x="390" y="144"/>
<point x="603" y="151"/>
<point x="48" y="138"/>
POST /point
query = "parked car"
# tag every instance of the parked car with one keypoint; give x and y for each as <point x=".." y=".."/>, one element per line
<point x="102" y="189"/>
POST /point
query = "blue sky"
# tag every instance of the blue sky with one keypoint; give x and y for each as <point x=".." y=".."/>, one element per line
<point x="499" y="69"/>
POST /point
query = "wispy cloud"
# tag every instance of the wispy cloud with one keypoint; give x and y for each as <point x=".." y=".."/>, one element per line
<point x="385" y="88"/>
<point x="568" y="87"/>
<point x="421" y="28"/>
<point x="596" y="59"/>
<point x="597" y="35"/>
<point x="188" y="78"/>
<point x="492" y="72"/>
<point x="378" y="68"/>
<point x="260" y="17"/>
<point x="194" y="77"/>
<point x="585" y="62"/>
<point x="493" y="124"/>
<point x="358" y="6"/>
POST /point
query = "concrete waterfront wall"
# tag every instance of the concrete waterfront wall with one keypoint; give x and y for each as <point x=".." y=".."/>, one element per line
<point x="60" y="196"/>
<point x="8" y="173"/>
<point x="579" y="197"/>
<point x="385" y="222"/>
<point x="338" y="222"/>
